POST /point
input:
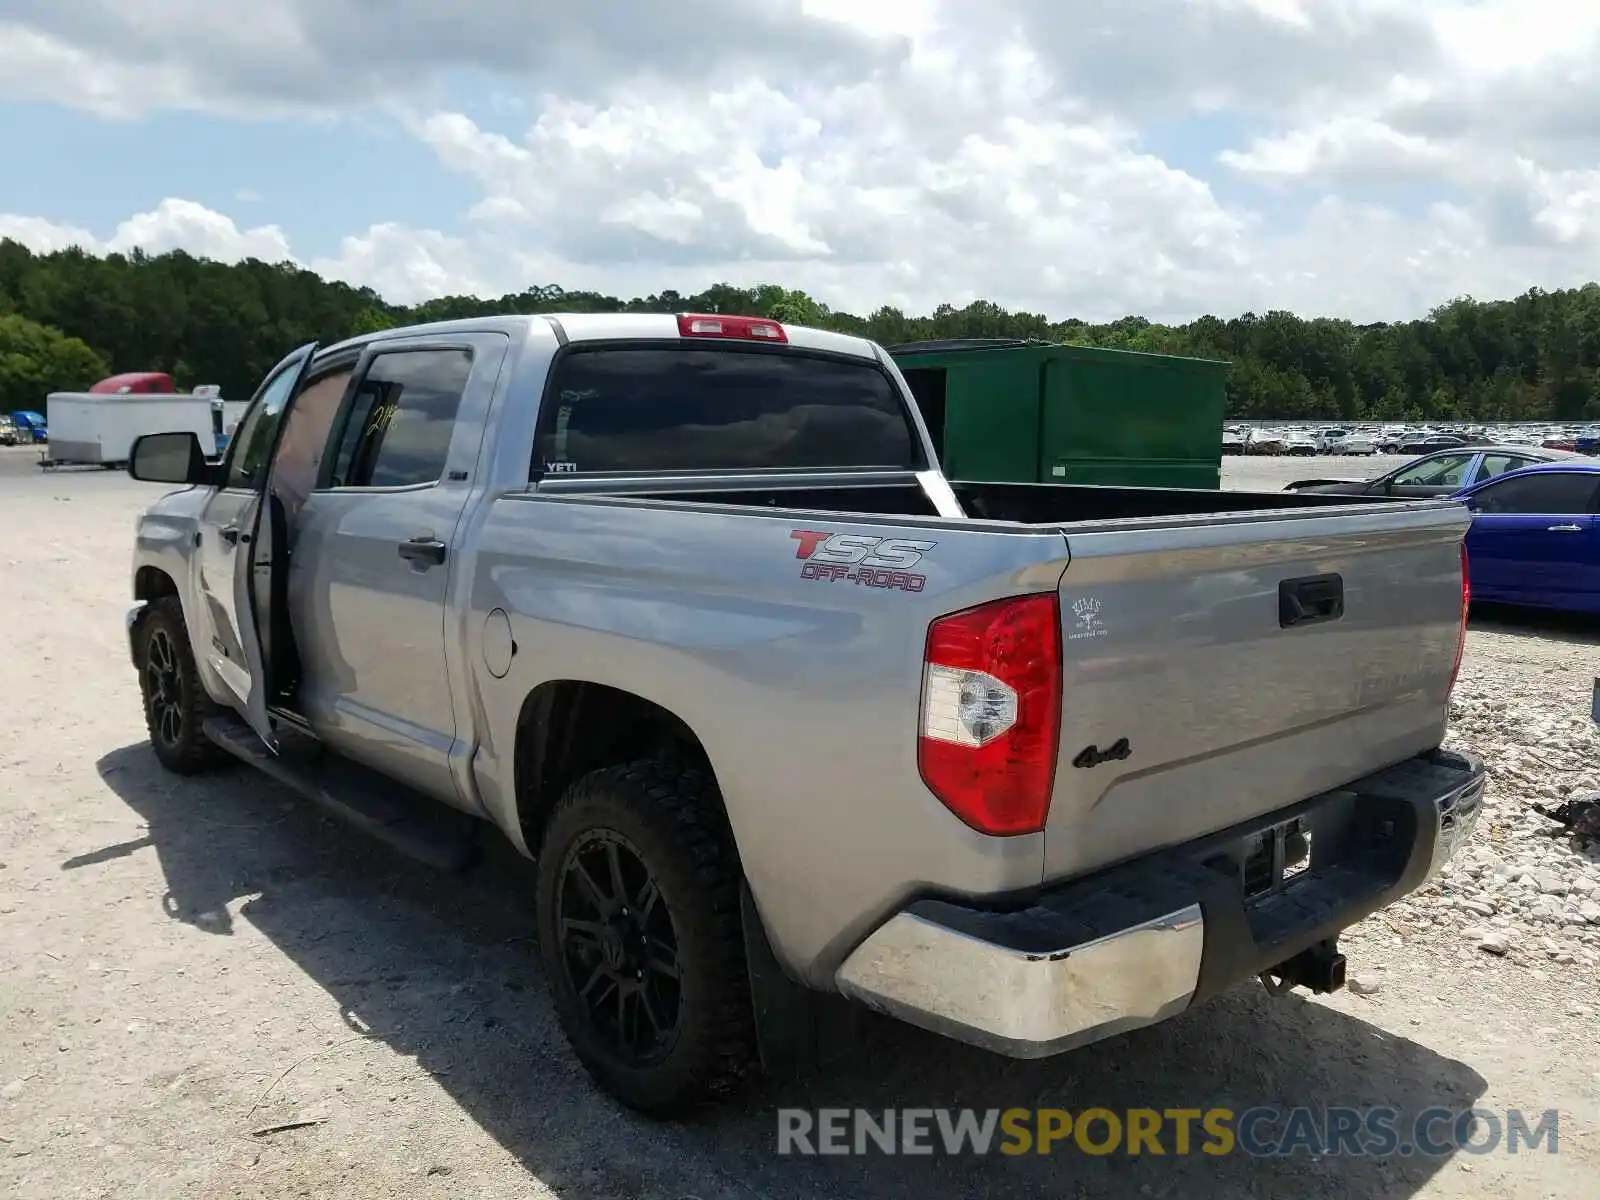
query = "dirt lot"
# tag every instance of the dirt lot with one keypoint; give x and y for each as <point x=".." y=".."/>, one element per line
<point x="183" y="963"/>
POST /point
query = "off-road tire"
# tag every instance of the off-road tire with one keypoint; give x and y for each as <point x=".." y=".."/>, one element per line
<point x="671" y="816"/>
<point x="181" y="746"/>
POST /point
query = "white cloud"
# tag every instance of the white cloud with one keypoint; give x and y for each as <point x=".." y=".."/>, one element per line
<point x="405" y="265"/>
<point x="44" y="236"/>
<point x="39" y="66"/>
<point x="139" y="56"/>
<point x="1357" y="149"/>
<point x="1506" y="81"/>
<point x="182" y="224"/>
<point x="963" y="180"/>
<point x="1363" y="157"/>
<point x="173" y="224"/>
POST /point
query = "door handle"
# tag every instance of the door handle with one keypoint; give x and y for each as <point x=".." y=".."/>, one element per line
<point x="1563" y="529"/>
<point x="429" y="551"/>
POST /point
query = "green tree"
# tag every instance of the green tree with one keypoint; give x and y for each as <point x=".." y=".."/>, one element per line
<point x="792" y="307"/>
<point x="36" y="360"/>
<point x="373" y="319"/>
<point x="1532" y="357"/>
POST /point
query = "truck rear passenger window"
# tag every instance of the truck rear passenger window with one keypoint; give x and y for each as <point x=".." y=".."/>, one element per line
<point x="398" y="429"/>
<point x="673" y="408"/>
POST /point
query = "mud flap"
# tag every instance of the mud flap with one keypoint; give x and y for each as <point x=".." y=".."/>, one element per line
<point x="797" y="1028"/>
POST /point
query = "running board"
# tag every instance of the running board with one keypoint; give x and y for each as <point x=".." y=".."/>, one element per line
<point x="418" y="826"/>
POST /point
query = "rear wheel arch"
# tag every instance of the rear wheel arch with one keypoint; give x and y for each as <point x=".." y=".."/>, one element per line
<point x="568" y="728"/>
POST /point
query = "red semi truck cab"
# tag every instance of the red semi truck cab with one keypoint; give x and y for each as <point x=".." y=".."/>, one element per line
<point x="135" y="383"/>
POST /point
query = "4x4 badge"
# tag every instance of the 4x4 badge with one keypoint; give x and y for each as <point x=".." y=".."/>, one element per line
<point x="1093" y="756"/>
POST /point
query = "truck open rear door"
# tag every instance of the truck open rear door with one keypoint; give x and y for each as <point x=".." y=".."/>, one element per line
<point x="259" y="534"/>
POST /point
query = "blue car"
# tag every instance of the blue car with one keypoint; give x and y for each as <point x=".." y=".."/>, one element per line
<point x="1535" y="537"/>
<point x="32" y="424"/>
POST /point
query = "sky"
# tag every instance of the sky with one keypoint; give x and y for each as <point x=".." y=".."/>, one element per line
<point x="1082" y="158"/>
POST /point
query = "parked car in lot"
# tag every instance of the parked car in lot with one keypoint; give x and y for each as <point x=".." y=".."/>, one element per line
<point x="1328" y="440"/>
<point x="1587" y="441"/>
<point x="1535" y="537"/>
<point x="1266" y="441"/>
<point x="1339" y="440"/>
<point x="31" y="427"/>
<point x="9" y="435"/>
<point x="684" y="607"/>
<point x="1301" y="445"/>
<point x="1442" y="473"/>
<point x="1434" y="441"/>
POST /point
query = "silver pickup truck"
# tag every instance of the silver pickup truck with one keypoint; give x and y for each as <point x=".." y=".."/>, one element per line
<point x="683" y="606"/>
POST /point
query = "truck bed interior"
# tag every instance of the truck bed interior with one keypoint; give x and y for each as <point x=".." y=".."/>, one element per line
<point x="877" y="499"/>
<point x="1025" y="503"/>
<point x="1047" y="503"/>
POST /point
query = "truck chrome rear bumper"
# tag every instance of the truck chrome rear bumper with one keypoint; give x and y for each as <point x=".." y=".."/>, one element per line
<point x="1028" y="1002"/>
<point x="1145" y="940"/>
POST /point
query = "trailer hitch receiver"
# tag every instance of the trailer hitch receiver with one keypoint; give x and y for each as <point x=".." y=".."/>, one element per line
<point x="1319" y="968"/>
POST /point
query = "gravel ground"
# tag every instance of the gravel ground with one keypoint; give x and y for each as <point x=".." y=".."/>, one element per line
<point x="184" y="963"/>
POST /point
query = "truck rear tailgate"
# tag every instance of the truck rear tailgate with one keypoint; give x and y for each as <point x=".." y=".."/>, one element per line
<point x="1233" y="667"/>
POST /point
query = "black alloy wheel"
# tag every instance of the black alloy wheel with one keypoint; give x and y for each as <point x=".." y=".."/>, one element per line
<point x="176" y="706"/>
<point x="638" y="914"/>
<point x="619" y="946"/>
<point x="163" y="688"/>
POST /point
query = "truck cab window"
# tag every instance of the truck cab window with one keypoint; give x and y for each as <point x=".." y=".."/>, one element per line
<point x="249" y="458"/>
<point x="655" y="408"/>
<point x="297" y="464"/>
<point x="397" y="427"/>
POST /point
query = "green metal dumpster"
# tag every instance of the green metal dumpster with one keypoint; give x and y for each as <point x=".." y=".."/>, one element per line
<point x="1005" y="411"/>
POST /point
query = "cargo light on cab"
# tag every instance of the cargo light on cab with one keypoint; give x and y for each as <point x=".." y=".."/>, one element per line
<point x="750" y="329"/>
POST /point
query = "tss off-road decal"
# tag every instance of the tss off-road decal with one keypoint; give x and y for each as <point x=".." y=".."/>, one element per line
<point x="861" y="559"/>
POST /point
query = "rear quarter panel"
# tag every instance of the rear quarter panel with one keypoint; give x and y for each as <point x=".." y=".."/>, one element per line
<point x="804" y="692"/>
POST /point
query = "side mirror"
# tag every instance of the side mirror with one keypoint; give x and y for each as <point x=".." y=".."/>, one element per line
<point x="169" y="458"/>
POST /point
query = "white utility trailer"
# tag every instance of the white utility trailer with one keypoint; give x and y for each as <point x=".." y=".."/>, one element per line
<point x="98" y="429"/>
<point x="232" y="414"/>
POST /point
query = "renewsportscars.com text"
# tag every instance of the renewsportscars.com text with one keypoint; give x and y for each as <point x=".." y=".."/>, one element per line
<point x="1261" y="1132"/>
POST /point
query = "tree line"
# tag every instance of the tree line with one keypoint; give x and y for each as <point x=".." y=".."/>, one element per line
<point x="71" y="317"/>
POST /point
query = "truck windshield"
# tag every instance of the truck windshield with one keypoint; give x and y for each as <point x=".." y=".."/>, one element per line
<point x="692" y="408"/>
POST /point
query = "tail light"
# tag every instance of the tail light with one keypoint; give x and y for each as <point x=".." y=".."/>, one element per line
<point x="1466" y="603"/>
<point x="751" y="329"/>
<point x="991" y="712"/>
